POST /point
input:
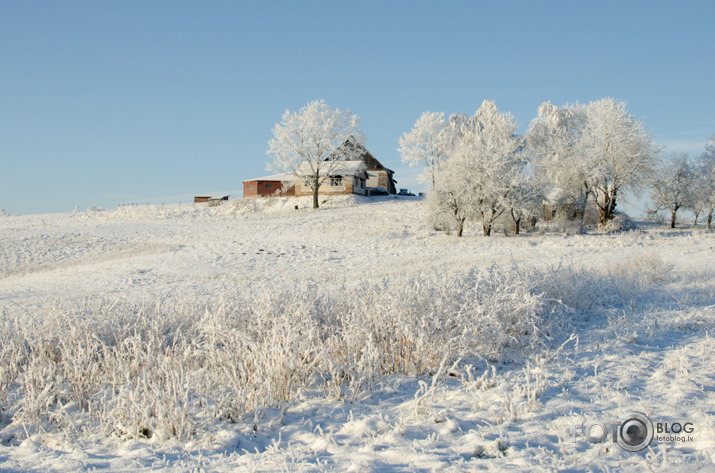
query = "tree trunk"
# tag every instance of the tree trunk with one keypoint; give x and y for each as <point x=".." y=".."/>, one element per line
<point x="672" y="217"/>
<point x="487" y="229"/>
<point x="603" y="208"/>
<point x="695" y="222"/>
<point x="612" y="204"/>
<point x="517" y="222"/>
<point x="316" y="185"/>
<point x="460" y="228"/>
<point x="432" y="173"/>
<point x="710" y="219"/>
<point x="607" y="209"/>
<point x="584" y="202"/>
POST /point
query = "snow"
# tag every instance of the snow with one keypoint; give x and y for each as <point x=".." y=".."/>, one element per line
<point x="640" y="306"/>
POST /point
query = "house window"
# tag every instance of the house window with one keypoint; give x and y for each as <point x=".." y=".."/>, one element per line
<point x="336" y="181"/>
<point x="250" y="186"/>
<point x="269" y="186"/>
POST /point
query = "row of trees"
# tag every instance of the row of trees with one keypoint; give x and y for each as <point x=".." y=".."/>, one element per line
<point x="572" y="156"/>
<point x="480" y="168"/>
<point x="682" y="182"/>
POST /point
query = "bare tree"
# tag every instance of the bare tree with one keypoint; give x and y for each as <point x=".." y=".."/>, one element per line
<point x="303" y="141"/>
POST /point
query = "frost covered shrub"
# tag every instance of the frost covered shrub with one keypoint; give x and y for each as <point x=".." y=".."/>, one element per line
<point x="620" y="222"/>
<point x="442" y="216"/>
<point x="587" y="290"/>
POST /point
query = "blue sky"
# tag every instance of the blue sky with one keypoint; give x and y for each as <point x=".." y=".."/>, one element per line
<point x="156" y="101"/>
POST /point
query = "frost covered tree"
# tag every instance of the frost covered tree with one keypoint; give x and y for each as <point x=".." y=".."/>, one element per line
<point x="523" y="196"/>
<point x="705" y="190"/>
<point x="672" y="186"/>
<point x="483" y="165"/>
<point x="618" y="151"/>
<point x="303" y="141"/>
<point x="427" y="143"/>
<point x="449" y="203"/>
<point x="559" y="167"/>
<point x="597" y="150"/>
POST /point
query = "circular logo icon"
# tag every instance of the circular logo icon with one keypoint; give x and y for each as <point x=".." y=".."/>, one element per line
<point x="635" y="431"/>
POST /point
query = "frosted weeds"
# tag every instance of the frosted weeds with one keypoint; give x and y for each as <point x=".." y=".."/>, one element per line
<point x="445" y="355"/>
<point x="162" y="368"/>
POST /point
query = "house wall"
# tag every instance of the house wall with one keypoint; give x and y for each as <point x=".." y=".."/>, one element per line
<point x="250" y="189"/>
<point x="377" y="178"/>
<point x="325" y="189"/>
<point x="253" y="189"/>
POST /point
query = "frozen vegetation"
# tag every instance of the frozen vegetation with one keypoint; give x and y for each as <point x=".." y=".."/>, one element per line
<point x="256" y="337"/>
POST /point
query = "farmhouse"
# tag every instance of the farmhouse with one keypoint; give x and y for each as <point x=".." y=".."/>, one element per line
<point x="377" y="174"/>
<point x="356" y="173"/>
<point x="346" y="177"/>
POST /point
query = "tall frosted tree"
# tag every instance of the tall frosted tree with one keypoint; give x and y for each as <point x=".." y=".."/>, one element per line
<point x="426" y="144"/>
<point x="619" y="153"/>
<point x="303" y="141"/>
<point x="476" y="178"/>
<point x="558" y="164"/>
<point x="597" y="150"/>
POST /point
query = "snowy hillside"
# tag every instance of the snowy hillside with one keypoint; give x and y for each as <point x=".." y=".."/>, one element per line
<point x="259" y="337"/>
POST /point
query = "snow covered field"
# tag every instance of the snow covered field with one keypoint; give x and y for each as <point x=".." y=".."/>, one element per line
<point x="256" y="337"/>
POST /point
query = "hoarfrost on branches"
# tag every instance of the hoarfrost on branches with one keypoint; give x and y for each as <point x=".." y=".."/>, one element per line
<point x="303" y="141"/>
<point x="672" y="186"/>
<point x="553" y="143"/>
<point x="591" y="151"/>
<point x="619" y="152"/>
<point x="427" y="143"/>
<point x="480" y="172"/>
<point x="705" y="182"/>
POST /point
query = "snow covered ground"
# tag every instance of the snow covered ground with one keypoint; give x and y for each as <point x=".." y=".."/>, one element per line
<point x="611" y="324"/>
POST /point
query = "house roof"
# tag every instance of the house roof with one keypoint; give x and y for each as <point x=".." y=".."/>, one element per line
<point x="352" y="150"/>
<point x="281" y="177"/>
<point x="340" y="168"/>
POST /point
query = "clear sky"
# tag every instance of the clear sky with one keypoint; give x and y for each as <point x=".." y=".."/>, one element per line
<point x="109" y="102"/>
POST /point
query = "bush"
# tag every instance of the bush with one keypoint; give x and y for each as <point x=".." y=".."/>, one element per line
<point x="619" y="223"/>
